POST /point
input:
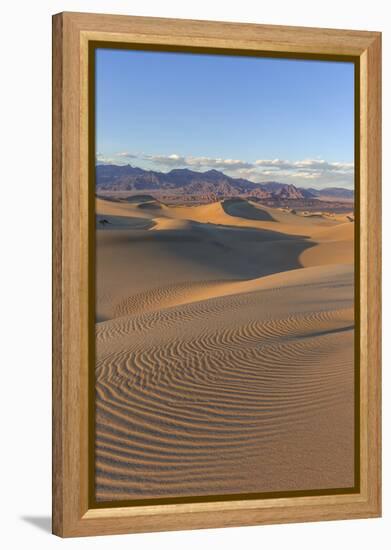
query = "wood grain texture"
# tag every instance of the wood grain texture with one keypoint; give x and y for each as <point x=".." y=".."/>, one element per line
<point x="221" y="34"/>
<point x="71" y="34"/>
<point x="57" y="403"/>
<point x="370" y="268"/>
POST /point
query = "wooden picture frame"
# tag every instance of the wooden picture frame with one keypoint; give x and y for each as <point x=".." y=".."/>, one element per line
<point x="72" y="253"/>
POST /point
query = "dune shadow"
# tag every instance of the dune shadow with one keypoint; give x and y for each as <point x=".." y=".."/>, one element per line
<point x="327" y="332"/>
<point x="241" y="208"/>
<point x="227" y="251"/>
<point x="153" y="205"/>
<point x="138" y="199"/>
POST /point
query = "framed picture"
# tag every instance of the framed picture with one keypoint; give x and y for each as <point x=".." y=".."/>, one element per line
<point x="216" y="232"/>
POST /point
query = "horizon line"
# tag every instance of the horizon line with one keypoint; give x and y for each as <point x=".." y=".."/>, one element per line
<point x="226" y="175"/>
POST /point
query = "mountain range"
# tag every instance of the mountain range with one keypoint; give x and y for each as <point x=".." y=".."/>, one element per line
<point x="213" y="184"/>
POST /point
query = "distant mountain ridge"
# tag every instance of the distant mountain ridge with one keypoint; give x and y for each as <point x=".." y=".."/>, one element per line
<point x="212" y="183"/>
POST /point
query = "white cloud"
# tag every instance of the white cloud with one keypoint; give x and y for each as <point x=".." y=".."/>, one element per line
<point x="198" y="162"/>
<point x="307" y="164"/>
<point x="166" y="160"/>
<point x="317" y="172"/>
<point x="126" y="154"/>
<point x="305" y="172"/>
<point x="100" y="158"/>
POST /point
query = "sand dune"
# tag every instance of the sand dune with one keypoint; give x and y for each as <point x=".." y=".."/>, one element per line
<point x="224" y="347"/>
<point x="335" y="245"/>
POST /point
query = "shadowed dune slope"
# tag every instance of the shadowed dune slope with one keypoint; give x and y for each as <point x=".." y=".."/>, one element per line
<point x="245" y="209"/>
<point x="182" y="252"/>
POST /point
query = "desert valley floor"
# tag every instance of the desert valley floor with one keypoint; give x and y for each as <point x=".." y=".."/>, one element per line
<point x="224" y="349"/>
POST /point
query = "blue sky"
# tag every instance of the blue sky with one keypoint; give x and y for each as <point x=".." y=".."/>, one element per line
<point x="262" y="119"/>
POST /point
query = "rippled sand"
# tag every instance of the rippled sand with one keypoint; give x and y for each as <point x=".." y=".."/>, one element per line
<point x="224" y="351"/>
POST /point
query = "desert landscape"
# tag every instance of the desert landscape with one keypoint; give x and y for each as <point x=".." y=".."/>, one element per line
<point x="224" y="343"/>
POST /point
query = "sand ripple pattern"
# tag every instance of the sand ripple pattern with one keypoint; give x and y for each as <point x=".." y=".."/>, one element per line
<point x="163" y="297"/>
<point x="191" y="399"/>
